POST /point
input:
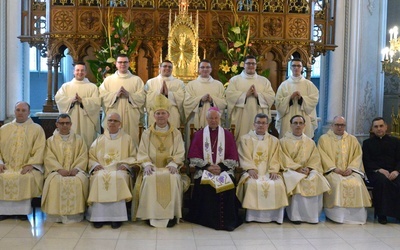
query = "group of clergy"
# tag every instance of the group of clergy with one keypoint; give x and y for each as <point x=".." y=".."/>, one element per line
<point x="292" y="174"/>
<point x="75" y="181"/>
<point x="81" y="168"/>
<point x="246" y="95"/>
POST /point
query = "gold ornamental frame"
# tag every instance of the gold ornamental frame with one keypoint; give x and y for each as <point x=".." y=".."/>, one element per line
<point x="183" y="43"/>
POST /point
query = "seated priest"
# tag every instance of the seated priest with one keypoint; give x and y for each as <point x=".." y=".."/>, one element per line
<point x="22" y="144"/>
<point x="213" y="152"/>
<point x="261" y="188"/>
<point x="381" y="157"/>
<point x="341" y="157"/>
<point x="303" y="177"/>
<point x="159" y="187"/>
<point x="110" y="158"/>
<point x="66" y="187"/>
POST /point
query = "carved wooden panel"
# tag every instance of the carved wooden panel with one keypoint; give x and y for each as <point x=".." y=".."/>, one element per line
<point x="144" y="25"/>
<point x="219" y="24"/>
<point x="272" y="26"/>
<point x="203" y="20"/>
<point x="89" y="21"/>
<point x="297" y="28"/>
<point x="163" y="24"/>
<point x="278" y="27"/>
<point x="63" y="20"/>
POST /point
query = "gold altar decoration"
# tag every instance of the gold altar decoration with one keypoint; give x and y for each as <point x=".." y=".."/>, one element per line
<point x="183" y="43"/>
<point x="395" y="129"/>
<point x="391" y="54"/>
<point x="278" y="29"/>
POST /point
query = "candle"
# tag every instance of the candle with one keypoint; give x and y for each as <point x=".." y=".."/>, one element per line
<point x="385" y="52"/>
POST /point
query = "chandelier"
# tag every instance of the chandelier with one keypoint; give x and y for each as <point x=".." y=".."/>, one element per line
<point x="391" y="54"/>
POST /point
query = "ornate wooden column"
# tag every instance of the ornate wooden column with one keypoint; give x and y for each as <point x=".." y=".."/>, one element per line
<point x="49" y="104"/>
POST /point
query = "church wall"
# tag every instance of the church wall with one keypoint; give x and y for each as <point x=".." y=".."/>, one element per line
<point x="353" y="85"/>
<point x="364" y="98"/>
<point x="16" y="78"/>
<point x="3" y="55"/>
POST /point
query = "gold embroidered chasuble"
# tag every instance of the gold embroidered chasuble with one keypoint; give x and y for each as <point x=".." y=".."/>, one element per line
<point x="263" y="156"/>
<point x="241" y="110"/>
<point x="195" y="90"/>
<point x="85" y="121"/>
<point x="159" y="196"/>
<point x="65" y="195"/>
<point x="21" y="144"/>
<point x="300" y="152"/>
<point x="343" y="153"/>
<point x="176" y="94"/>
<point x="110" y="184"/>
<point x="130" y="109"/>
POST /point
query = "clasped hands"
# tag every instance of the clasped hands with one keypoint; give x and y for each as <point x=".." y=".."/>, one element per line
<point x="65" y="173"/>
<point x="149" y="169"/>
<point x="123" y="92"/>
<point x="346" y="172"/>
<point x="206" y="98"/>
<point x="119" y="167"/>
<point x="164" y="89"/>
<point x="77" y="98"/>
<point x="390" y="175"/>
<point x="252" y="91"/>
<point x="254" y="174"/>
<point x="303" y="170"/>
<point x="25" y="169"/>
<point x="214" y="169"/>
<point x="295" y="96"/>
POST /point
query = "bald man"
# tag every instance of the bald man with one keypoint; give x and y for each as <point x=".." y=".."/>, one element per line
<point x="341" y="157"/>
<point x="22" y="144"/>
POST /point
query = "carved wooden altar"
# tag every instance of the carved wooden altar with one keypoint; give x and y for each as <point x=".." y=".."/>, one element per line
<point x="279" y="29"/>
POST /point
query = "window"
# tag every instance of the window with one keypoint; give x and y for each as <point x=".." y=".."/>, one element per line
<point x="315" y="69"/>
<point x="36" y="62"/>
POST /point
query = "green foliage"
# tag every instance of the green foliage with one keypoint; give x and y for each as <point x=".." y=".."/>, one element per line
<point x="235" y="47"/>
<point x="119" y="39"/>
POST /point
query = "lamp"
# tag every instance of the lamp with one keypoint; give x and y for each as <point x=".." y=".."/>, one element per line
<point x="391" y="54"/>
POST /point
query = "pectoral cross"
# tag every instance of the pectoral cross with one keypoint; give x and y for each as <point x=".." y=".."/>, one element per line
<point x="161" y="148"/>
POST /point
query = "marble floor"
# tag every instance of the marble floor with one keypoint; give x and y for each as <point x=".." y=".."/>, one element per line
<point x="39" y="234"/>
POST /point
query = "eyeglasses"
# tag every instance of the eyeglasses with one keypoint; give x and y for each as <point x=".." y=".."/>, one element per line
<point x="296" y="66"/>
<point x="339" y="125"/>
<point x="64" y="123"/>
<point x="205" y="67"/>
<point x="111" y="120"/>
<point x="123" y="62"/>
<point x="298" y="123"/>
<point x="250" y="63"/>
<point x="166" y="66"/>
<point x="261" y="123"/>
